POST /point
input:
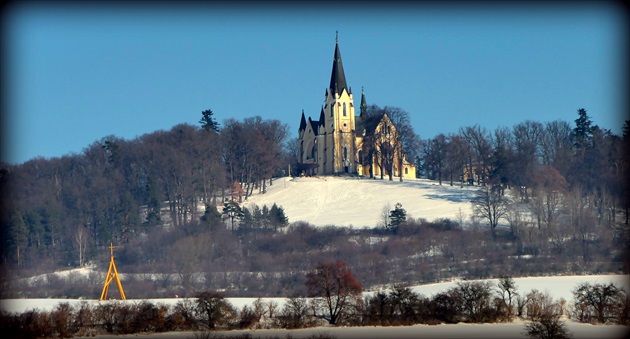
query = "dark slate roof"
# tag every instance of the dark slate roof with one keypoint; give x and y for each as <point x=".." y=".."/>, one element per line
<point x="302" y="122"/>
<point x="338" y="77"/>
<point x="371" y="122"/>
<point x="322" y="117"/>
<point x="314" y="125"/>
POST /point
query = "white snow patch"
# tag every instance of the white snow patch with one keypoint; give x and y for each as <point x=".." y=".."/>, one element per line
<point x="359" y="202"/>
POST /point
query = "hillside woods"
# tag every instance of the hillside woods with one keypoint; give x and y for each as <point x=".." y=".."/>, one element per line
<point x="571" y="179"/>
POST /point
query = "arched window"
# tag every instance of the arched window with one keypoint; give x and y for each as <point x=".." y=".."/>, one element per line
<point x="332" y="110"/>
<point x="406" y="170"/>
<point x="344" y="109"/>
<point x="345" y="152"/>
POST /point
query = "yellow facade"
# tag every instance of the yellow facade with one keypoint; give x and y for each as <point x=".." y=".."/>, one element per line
<point x="332" y="144"/>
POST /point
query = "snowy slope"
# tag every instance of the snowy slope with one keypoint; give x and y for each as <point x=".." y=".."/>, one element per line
<point x="346" y="201"/>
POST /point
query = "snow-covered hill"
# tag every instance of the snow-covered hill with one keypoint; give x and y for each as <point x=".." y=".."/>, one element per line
<point x="359" y="202"/>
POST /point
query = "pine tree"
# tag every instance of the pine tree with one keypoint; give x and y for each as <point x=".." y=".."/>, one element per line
<point x="208" y="123"/>
<point x="233" y="210"/>
<point x="583" y="132"/>
<point x="277" y="217"/>
<point x="211" y="217"/>
<point x="18" y="238"/>
<point x="397" y="217"/>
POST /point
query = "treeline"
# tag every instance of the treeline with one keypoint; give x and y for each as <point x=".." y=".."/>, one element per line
<point x="469" y="302"/>
<point x="262" y="261"/>
<point x="60" y="211"/>
<point x="544" y="162"/>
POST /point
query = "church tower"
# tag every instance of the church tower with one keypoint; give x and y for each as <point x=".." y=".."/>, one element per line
<point x="339" y="124"/>
<point x="328" y="145"/>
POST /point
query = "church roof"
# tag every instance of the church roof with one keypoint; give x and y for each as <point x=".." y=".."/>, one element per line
<point x="322" y="117"/>
<point x="302" y="122"/>
<point x="338" y="77"/>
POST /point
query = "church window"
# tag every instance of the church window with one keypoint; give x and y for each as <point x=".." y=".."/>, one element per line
<point x="344" y="109"/>
<point x="406" y="170"/>
<point x="332" y="110"/>
<point x="345" y="152"/>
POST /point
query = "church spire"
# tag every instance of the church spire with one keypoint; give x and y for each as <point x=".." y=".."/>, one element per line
<point x="363" y="107"/>
<point x="302" y="122"/>
<point x="338" y="77"/>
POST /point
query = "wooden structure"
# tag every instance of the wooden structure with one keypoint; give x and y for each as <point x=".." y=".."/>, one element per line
<point x="112" y="273"/>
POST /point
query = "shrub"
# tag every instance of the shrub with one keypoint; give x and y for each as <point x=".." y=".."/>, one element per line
<point x="214" y="309"/>
<point x="547" y="327"/>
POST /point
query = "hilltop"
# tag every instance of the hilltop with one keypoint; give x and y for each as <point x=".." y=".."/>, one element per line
<point x="360" y="202"/>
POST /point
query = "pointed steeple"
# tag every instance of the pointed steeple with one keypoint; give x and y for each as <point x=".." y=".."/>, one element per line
<point x="363" y="107"/>
<point x="302" y="122"/>
<point x="338" y="77"/>
<point x="322" y="117"/>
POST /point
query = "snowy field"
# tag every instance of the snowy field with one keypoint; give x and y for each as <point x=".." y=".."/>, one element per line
<point x="558" y="287"/>
<point x="359" y="202"/>
<point x="486" y="331"/>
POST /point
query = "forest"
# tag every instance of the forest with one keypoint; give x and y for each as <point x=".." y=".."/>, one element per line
<point x="170" y="201"/>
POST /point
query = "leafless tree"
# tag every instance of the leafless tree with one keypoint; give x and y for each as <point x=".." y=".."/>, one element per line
<point x="334" y="283"/>
<point x="479" y="140"/>
<point x="81" y="237"/>
<point x="490" y="205"/>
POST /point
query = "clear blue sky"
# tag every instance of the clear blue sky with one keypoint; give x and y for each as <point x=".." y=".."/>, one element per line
<point x="74" y="74"/>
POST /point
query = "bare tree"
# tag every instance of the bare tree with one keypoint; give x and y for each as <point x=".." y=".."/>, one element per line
<point x="334" y="283"/>
<point x="527" y="136"/>
<point x="405" y="140"/>
<point x="490" y="205"/>
<point x="478" y="138"/>
<point x="457" y="150"/>
<point x="81" y="236"/>
<point x="508" y="294"/>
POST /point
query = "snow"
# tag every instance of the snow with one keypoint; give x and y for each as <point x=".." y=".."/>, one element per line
<point x="557" y="286"/>
<point x="359" y="202"/>
<point x="488" y="331"/>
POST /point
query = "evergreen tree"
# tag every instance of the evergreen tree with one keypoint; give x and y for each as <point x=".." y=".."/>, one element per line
<point x="277" y="217"/>
<point x="257" y="216"/>
<point x="246" y="221"/>
<point x="233" y="210"/>
<point x="18" y="238"/>
<point x="583" y="132"/>
<point x="265" y="217"/>
<point x="152" y="200"/>
<point x="208" y="123"/>
<point x="211" y="217"/>
<point x="397" y="217"/>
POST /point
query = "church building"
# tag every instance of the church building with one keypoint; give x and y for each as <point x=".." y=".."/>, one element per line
<point x="334" y="144"/>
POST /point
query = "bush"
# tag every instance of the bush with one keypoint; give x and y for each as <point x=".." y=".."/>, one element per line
<point x="547" y="327"/>
<point x="293" y="314"/>
<point x="214" y="309"/>
<point x="539" y="305"/>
